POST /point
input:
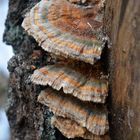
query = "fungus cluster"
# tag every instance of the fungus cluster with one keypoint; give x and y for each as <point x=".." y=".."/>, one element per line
<point x="76" y="91"/>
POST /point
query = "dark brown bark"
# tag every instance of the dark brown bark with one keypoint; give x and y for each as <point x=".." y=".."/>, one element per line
<point x="30" y="120"/>
<point x="124" y="19"/>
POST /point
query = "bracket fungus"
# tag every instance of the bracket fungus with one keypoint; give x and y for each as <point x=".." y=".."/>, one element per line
<point x="72" y="82"/>
<point x="64" y="29"/>
<point x="71" y="129"/>
<point x="68" y="127"/>
<point x="72" y="29"/>
<point x="92" y="117"/>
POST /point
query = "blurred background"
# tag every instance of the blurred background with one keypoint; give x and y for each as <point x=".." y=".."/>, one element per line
<point x="5" y="51"/>
<point x="5" y="54"/>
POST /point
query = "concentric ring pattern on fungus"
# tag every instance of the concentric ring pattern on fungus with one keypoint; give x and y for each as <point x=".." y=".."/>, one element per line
<point x="72" y="30"/>
<point x="67" y="30"/>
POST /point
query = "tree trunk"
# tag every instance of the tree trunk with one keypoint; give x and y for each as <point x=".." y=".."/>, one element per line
<point x="31" y="121"/>
<point x="124" y="30"/>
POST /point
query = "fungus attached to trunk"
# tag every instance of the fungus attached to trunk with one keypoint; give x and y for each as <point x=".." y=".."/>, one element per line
<point x="72" y="29"/>
<point x="92" y="117"/>
<point x="71" y="129"/>
<point x="67" y="30"/>
<point x="72" y="82"/>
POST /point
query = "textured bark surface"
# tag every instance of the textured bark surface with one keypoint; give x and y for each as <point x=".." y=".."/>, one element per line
<point x="29" y="120"/>
<point x="124" y="30"/>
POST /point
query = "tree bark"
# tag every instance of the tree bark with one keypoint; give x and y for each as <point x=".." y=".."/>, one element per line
<point x="124" y="30"/>
<point x="31" y="121"/>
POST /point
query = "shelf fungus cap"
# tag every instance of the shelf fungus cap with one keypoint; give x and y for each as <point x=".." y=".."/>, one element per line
<point x="71" y="129"/>
<point x="67" y="30"/>
<point x="68" y="127"/>
<point x="94" y="118"/>
<point x="72" y="82"/>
